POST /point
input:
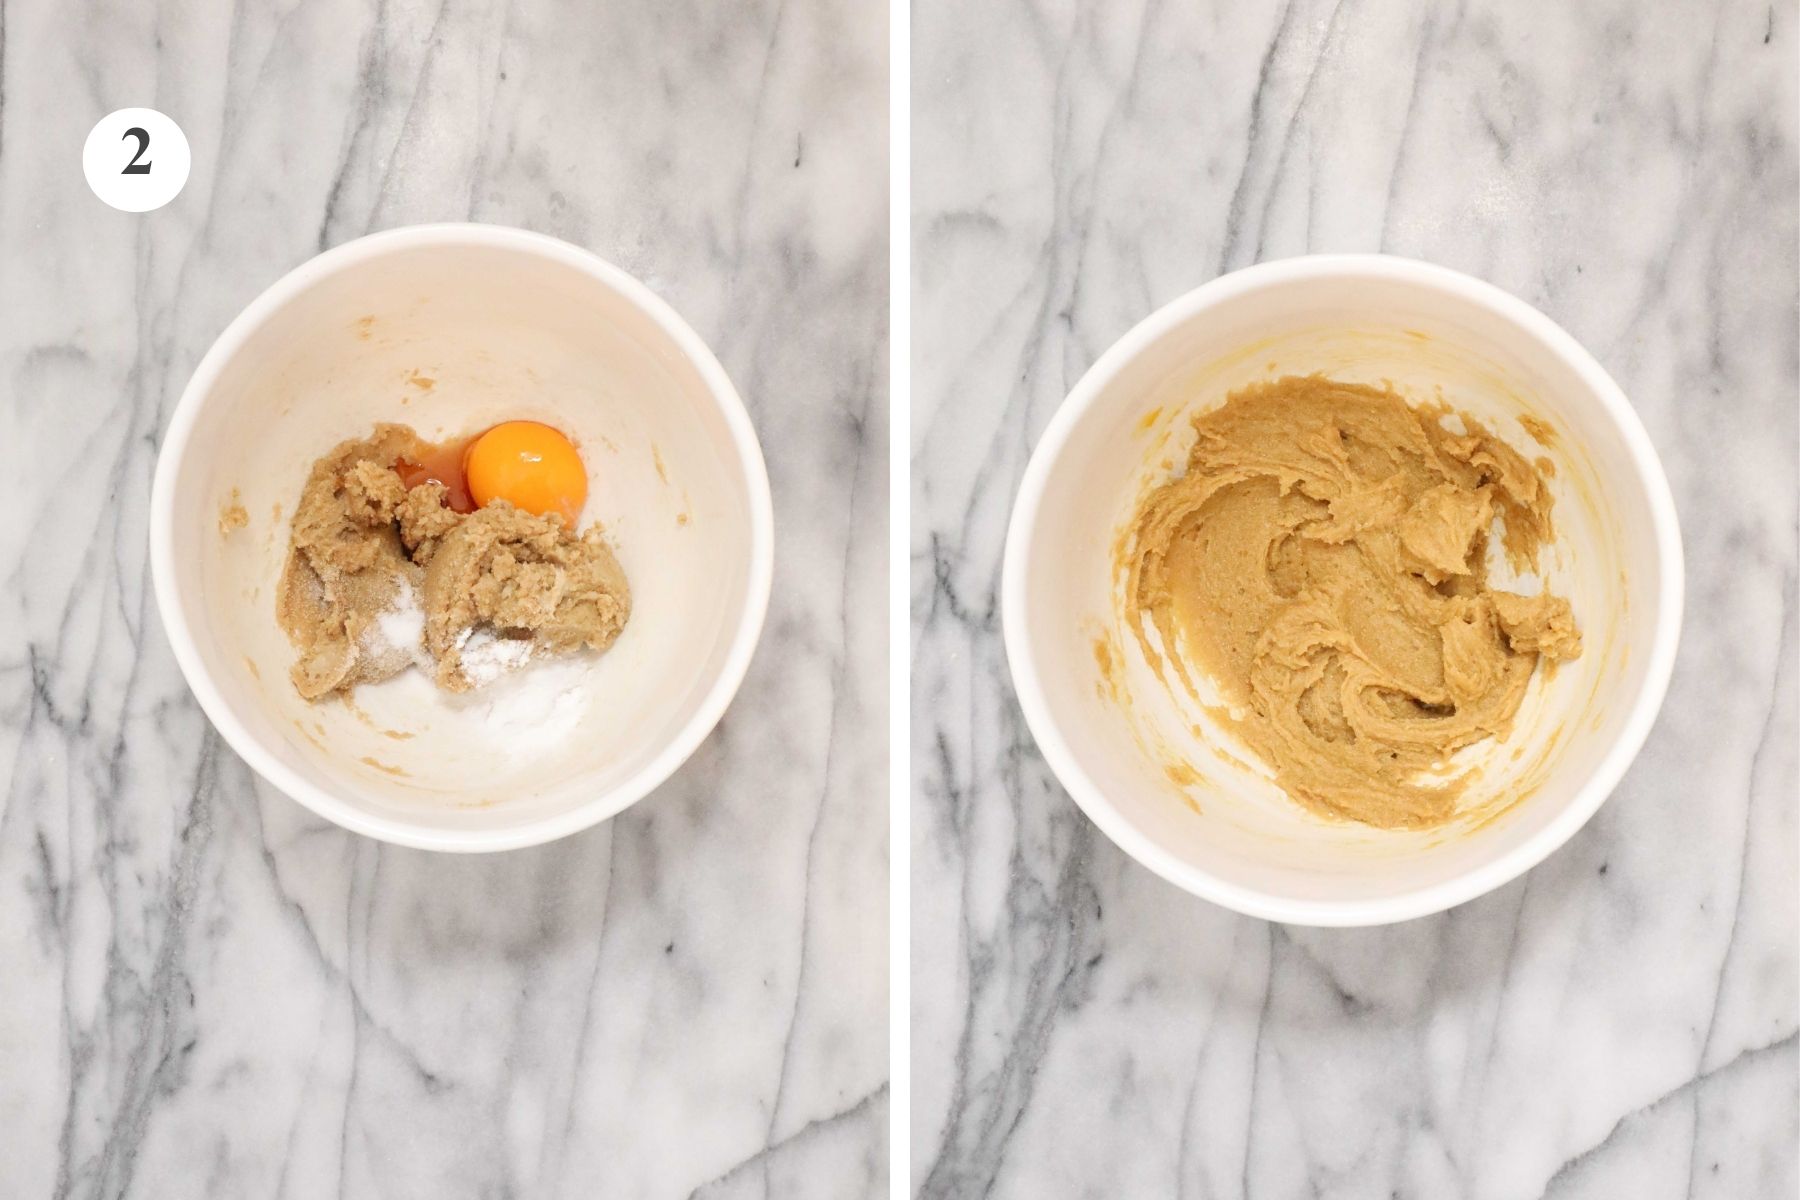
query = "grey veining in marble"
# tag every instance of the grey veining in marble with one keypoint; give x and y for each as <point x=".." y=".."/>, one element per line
<point x="205" y="991"/>
<point x="1620" y="1022"/>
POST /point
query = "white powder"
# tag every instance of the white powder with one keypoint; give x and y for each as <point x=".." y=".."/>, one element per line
<point x="537" y="710"/>
<point x="404" y="625"/>
<point x="530" y="712"/>
<point x="401" y="626"/>
<point x="486" y="658"/>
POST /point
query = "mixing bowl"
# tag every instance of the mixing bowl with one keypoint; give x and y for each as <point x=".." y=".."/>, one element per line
<point x="452" y="328"/>
<point x="1164" y="779"/>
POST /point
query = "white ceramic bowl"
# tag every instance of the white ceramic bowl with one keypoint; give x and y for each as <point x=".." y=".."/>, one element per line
<point x="1236" y="839"/>
<point x="450" y="328"/>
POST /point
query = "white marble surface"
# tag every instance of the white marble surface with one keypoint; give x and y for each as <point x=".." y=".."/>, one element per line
<point x="205" y="991"/>
<point x="1621" y="1022"/>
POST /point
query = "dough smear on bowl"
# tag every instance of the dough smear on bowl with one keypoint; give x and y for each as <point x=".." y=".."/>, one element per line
<point x="381" y="577"/>
<point x="1323" y="561"/>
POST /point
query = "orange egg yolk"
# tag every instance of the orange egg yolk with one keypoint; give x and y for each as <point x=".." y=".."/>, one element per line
<point x="531" y="465"/>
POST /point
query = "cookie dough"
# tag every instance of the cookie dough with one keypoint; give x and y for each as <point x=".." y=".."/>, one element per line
<point x="380" y="577"/>
<point x="1323" y="561"/>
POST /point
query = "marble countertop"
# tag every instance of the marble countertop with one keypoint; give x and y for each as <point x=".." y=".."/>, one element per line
<point x="1619" y="1022"/>
<point x="206" y="991"/>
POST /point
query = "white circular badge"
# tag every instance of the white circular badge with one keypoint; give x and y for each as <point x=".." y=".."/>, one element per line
<point x="136" y="159"/>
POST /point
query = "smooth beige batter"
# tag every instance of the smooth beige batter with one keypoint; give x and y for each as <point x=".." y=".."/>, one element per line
<point x="1323" y="560"/>
<point x="361" y="542"/>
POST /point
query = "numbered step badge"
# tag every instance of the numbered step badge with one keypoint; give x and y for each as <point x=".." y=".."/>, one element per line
<point x="136" y="159"/>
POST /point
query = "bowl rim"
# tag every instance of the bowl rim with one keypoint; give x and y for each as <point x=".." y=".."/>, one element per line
<point x="1448" y="893"/>
<point x="397" y="829"/>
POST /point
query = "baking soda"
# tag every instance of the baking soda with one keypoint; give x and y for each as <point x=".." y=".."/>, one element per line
<point x="536" y="710"/>
<point x="486" y="658"/>
<point x="527" y="712"/>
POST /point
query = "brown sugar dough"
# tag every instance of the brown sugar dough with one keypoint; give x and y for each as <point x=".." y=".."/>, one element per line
<point x="509" y="570"/>
<point x="1323" y="559"/>
<point x="362" y="545"/>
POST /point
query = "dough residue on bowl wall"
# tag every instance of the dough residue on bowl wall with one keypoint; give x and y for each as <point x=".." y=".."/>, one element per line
<point x="1323" y="562"/>
<point x="232" y="514"/>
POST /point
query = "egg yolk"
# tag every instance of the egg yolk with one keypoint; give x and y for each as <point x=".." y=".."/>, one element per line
<point x="531" y="465"/>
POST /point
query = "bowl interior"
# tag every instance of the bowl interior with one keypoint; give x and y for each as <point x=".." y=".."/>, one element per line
<point x="1120" y="730"/>
<point x="450" y="337"/>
